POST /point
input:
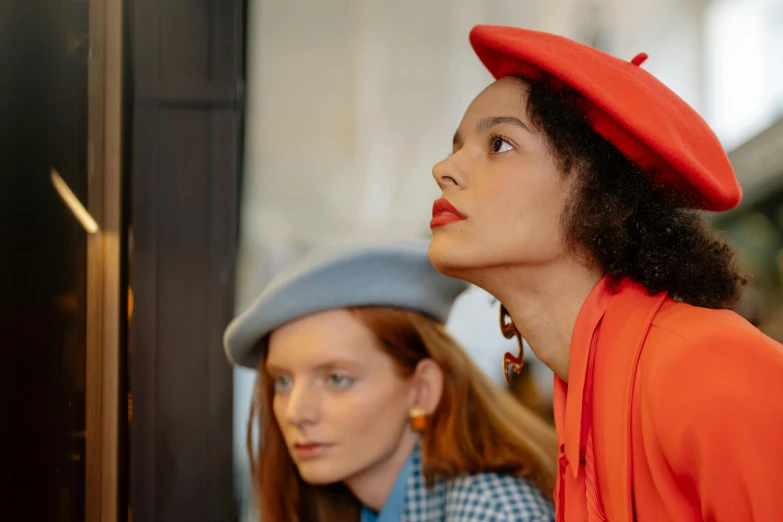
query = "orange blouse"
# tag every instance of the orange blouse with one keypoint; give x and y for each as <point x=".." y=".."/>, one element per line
<point x="671" y="413"/>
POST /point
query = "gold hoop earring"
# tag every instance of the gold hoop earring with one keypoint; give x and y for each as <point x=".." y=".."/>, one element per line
<point x="511" y="362"/>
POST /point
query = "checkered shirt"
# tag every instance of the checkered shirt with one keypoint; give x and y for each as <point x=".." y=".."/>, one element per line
<point x="484" y="497"/>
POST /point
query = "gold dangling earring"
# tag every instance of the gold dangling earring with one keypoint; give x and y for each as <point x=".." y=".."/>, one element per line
<point x="509" y="331"/>
<point x="418" y="420"/>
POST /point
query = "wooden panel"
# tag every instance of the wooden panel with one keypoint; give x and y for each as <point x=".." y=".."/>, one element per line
<point x="184" y="243"/>
<point x="183" y="94"/>
<point x="187" y="118"/>
<point x="144" y="327"/>
<point x="183" y="268"/>
<point x="223" y="235"/>
<point x="188" y="45"/>
<point x="185" y="39"/>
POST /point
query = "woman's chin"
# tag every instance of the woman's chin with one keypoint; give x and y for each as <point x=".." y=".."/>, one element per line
<point x="320" y="474"/>
<point x="449" y="257"/>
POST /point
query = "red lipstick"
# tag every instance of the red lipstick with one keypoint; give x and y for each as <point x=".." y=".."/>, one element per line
<point x="444" y="213"/>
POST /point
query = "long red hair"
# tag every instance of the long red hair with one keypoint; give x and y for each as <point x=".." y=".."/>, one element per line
<point x="477" y="427"/>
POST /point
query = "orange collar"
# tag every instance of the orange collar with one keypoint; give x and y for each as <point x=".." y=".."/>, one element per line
<point x="568" y="397"/>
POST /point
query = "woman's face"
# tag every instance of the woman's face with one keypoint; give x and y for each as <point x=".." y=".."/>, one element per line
<point x="502" y="178"/>
<point x="339" y="400"/>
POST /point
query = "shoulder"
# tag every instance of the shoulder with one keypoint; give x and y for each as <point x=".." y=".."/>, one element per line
<point x="689" y="344"/>
<point x="692" y="324"/>
<point x="698" y="365"/>
<point x="493" y="496"/>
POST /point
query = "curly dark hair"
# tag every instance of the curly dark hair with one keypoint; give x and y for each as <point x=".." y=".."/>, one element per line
<point x="621" y="220"/>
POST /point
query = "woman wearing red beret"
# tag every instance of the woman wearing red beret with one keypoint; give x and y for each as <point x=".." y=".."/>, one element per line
<point x="572" y="195"/>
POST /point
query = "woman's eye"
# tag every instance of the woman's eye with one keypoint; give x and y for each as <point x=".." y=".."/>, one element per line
<point x="282" y="383"/>
<point x="499" y="145"/>
<point x="340" y="382"/>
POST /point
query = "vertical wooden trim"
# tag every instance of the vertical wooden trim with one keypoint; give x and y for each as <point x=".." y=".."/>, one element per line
<point x="94" y="351"/>
<point x="104" y="292"/>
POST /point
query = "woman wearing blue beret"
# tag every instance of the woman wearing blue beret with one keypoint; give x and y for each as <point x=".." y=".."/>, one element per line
<point x="367" y="410"/>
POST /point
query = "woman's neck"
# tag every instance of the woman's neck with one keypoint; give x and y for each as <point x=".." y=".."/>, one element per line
<point x="373" y="485"/>
<point x="544" y="302"/>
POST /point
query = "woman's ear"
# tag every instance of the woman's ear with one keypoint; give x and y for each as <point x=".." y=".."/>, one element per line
<point x="427" y="384"/>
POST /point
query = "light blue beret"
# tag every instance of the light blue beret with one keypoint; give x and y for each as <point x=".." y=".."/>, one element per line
<point x="397" y="275"/>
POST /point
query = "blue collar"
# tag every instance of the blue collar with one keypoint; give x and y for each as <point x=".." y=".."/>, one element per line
<point x="395" y="503"/>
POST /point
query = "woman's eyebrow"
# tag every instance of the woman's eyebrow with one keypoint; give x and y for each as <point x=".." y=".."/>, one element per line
<point x="491" y="121"/>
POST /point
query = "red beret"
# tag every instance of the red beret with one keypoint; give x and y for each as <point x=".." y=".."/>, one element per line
<point x="628" y="106"/>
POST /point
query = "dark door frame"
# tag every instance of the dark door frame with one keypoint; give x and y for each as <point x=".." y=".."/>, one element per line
<point x="188" y="70"/>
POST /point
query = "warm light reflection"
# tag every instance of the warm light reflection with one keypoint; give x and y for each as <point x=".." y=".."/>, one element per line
<point x="74" y="204"/>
